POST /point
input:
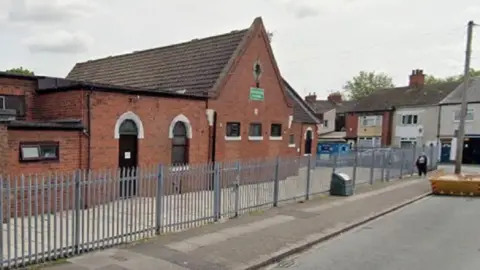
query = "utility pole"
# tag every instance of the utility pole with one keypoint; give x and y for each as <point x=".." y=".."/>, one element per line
<point x="463" y="108"/>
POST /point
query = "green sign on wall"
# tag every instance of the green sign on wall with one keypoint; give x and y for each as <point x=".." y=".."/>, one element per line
<point x="257" y="94"/>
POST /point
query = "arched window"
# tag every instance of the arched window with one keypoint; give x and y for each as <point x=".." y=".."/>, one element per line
<point x="180" y="144"/>
<point x="128" y="127"/>
<point x="308" y="142"/>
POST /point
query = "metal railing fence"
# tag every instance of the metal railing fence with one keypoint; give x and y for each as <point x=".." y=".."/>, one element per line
<point x="55" y="215"/>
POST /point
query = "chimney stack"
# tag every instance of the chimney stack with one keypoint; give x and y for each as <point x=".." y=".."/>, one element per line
<point x="417" y="78"/>
<point x="312" y="97"/>
<point x="335" y="98"/>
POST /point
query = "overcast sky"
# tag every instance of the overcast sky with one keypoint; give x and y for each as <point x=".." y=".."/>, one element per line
<point x="319" y="44"/>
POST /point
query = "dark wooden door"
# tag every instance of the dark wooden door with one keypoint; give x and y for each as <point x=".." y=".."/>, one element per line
<point x="128" y="161"/>
<point x="308" y="142"/>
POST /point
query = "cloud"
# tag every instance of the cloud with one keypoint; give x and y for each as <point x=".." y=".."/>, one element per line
<point x="48" y="11"/>
<point x="304" y="11"/>
<point x="60" y="42"/>
<point x="301" y="9"/>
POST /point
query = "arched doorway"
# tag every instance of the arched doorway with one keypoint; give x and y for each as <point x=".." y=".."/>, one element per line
<point x="179" y="144"/>
<point x="308" y="142"/>
<point x="128" y="159"/>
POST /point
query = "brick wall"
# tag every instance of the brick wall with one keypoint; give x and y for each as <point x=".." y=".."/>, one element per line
<point x="69" y="143"/>
<point x="3" y="149"/>
<point x="59" y="105"/>
<point x="48" y="179"/>
<point x="351" y="125"/>
<point x="234" y="105"/>
<point x="387" y="128"/>
<point x="156" y="114"/>
<point x="21" y="87"/>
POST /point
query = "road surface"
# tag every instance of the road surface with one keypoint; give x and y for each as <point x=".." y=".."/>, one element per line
<point x="437" y="233"/>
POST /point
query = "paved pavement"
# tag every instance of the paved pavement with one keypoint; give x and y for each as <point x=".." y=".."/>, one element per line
<point x="252" y="238"/>
<point x="438" y="233"/>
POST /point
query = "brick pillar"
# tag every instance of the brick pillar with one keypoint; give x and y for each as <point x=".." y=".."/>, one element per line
<point x="4" y="148"/>
<point x="5" y="117"/>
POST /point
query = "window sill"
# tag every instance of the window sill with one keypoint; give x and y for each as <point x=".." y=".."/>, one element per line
<point x="179" y="168"/>
<point x="466" y="121"/>
<point x="291" y="145"/>
<point x="276" y="138"/>
<point x="255" y="138"/>
<point x="238" y="138"/>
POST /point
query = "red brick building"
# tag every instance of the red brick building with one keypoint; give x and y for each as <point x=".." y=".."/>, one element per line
<point x="220" y="98"/>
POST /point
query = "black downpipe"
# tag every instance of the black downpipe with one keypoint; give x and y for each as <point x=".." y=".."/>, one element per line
<point x="214" y="139"/>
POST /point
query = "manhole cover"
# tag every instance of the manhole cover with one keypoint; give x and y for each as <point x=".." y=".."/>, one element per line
<point x="286" y="264"/>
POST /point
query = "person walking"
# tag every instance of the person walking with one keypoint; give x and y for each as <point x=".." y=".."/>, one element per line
<point x="421" y="163"/>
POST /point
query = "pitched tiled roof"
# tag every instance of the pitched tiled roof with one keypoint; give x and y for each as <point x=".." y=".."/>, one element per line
<point x="302" y="112"/>
<point x="321" y="106"/>
<point x="194" y="66"/>
<point x="388" y="99"/>
<point x="473" y="93"/>
<point x="345" y="106"/>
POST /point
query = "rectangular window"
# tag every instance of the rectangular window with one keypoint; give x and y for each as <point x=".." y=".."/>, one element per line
<point x="409" y="119"/>
<point x="255" y="130"/>
<point x="407" y="142"/>
<point x="276" y="130"/>
<point x="468" y="117"/>
<point x="371" y="121"/>
<point x="325" y="123"/>
<point x="12" y="102"/>
<point x="39" y="151"/>
<point x="233" y="129"/>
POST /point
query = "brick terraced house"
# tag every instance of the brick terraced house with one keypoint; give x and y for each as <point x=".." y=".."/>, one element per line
<point x="215" y="99"/>
<point x="400" y="116"/>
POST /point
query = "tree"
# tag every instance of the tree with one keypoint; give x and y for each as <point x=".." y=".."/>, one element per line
<point x="430" y="79"/>
<point x="365" y="83"/>
<point x="21" y="71"/>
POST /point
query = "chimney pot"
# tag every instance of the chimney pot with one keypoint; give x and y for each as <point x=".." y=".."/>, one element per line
<point x="312" y="97"/>
<point x="417" y="79"/>
<point x="335" y="98"/>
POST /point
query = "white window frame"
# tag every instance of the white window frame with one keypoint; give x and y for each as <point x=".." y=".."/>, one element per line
<point x="413" y="119"/>
<point x="412" y="141"/>
<point x="470" y="111"/>
<point x="373" y="118"/>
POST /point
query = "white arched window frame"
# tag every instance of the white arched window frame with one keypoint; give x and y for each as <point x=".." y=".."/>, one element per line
<point x="306" y="131"/>
<point x="180" y="118"/>
<point x="129" y="116"/>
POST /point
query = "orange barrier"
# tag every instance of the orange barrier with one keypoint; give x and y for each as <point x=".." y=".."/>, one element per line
<point x="452" y="184"/>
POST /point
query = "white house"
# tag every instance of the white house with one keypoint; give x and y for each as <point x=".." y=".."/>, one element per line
<point x="416" y="117"/>
<point x="449" y="120"/>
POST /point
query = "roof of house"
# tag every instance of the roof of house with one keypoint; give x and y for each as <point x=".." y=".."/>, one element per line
<point x="473" y="93"/>
<point x="191" y="67"/>
<point x="302" y="112"/>
<point x="321" y="106"/>
<point x="345" y="106"/>
<point x="50" y="84"/>
<point x="12" y="75"/>
<point x="388" y="99"/>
